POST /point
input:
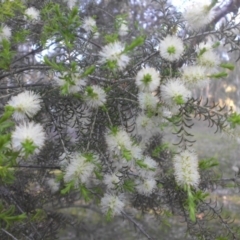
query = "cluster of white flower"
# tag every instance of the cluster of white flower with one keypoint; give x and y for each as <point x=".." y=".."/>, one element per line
<point x="25" y="104"/>
<point x="194" y="76"/>
<point x="171" y="48"/>
<point x="186" y="168"/>
<point x="53" y="185"/>
<point x="174" y="92"/>
<point x="147" y="101"/>
<point x="112" y="204"/>
<point x="198" y="15"/>
<point x="94" y="96"/>
<point x="89" y="24"/>
<point x="71" y="3"/>
<point x="28" y="137"/>
<point x="80" y="168"/>
<point x="71" y="83"/>
<point x="148" y="79"/>
<point x="122" y="27"/>
<point x="32" y="13"/>
<point x="113" y="53"/>
<point x="5" y="33"/>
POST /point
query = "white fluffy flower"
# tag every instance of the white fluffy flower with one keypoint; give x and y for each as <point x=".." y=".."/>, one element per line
<point x="146" y="186"/>
<point x="53" y="184"/>
<point x="28" y="137"/>
<point x="5" y="33"/>
<point x="146" y="127"/>
<point x="171" y="48"/>
<point x="147" y="101"/>
<point x="206" y="46"/>
<point x="174" y="92"/>
<point x="198" y="15"/>
<point x="112" y="180"/>
<point x="111" y="204"/>
<point x="94" y="96"/>
<point x="209" y="59"/>
<point x="80" y="169"/>
<point x="186" y="168"/>
<point x="117" y="140"/>
<point x="89" y="24"/>
<point x="146" y="167"/>
<point x="147" y="79"/>
<point x="32" y="13"/>
<point x="72" y="84"/>
<point x="113" y="53"/>
<point x="123" y="29"/>
<point x="194" y="76"/>
<point x="26" y="104"/>
<point x="71" y="3"/>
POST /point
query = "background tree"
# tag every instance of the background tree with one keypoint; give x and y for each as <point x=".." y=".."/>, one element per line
<point x="91" y="91"/>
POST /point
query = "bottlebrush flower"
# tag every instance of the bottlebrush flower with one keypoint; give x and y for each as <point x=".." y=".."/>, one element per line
<point x="28" y="138"/>
<point x="80" y="169"/>
<point x="147" y="79"/>
<point x="72" y="83"/>
<point x="198" y="15"/>
<point x="209" y="59"/>
<point x="112" y="180"/>
<point x="71" y="3"/>
<point x="174" y="92"/>
<point x="5" y="33"/>
<point x="114" y="56"/>
<point x="147" y="101"/>
<point x="186" y="168"/>
<point x="32" y="13"/>
<point x="171" y="48"/>
<point x="89" y="24"/>
<point x="111" y="205"/>
<point x="123" y="29"/>
<point x="94" y="96"/>
<point x="146" y="186"/>
<point x="194" y="76"/>
<point x="25" y="104"/>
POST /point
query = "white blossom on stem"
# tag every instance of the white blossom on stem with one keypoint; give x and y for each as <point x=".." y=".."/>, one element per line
<point x="28" y="138"/>
<point x="198" y="15"/>
<point x="5" y="33"/>
<point x="171" y="48"/>
<point x="112" y="204"/>
<point x="32" y="13"/>
<point x="186" y="168"/>
<point x="148" y="79"/>
<point x="25" y="104"/>
<point x="113" y="55"/>
<point x="174" y="92"/>
<point x="94" y="96"/>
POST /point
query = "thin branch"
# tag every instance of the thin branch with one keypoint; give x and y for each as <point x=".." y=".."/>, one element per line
<point x="9" y="234"/>
<point x="137" y="225"/>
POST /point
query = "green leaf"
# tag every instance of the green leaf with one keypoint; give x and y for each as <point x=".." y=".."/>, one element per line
<point x="135" y="43"/>
<point x="208" y="163"/>
<point x="126" y="154"/>
<point x="69" y="186"/>
<point x="234" y="119"/>
<point x="88" y="71"/>
<point x="85" y="193"/>
<point x="227" y="66"/>
<point x="218" y="75"/>
<point x="129" y="185"/>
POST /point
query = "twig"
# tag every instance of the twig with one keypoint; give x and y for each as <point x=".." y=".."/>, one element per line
<point x="9" y="234"/>
<point x="137" y="225"/>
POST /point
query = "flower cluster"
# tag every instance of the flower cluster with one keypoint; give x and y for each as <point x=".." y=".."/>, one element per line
<point x="113" y="54"/>
<point x="186" y="168"/>
<point x="25" y="104"/>
<point x="5" y="33"/>
<point x="32" y="13"/>
<point x="198" y="15"/>
<point x="171" y="48"/>
<point x="80" y="168"/>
